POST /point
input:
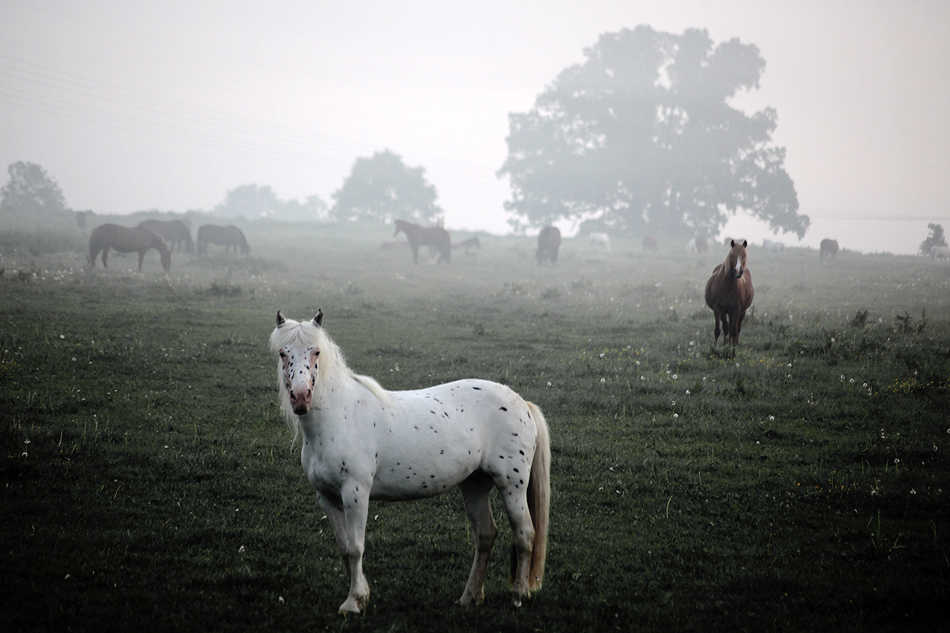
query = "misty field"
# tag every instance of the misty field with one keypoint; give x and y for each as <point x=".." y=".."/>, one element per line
<point x="801" y="483"/>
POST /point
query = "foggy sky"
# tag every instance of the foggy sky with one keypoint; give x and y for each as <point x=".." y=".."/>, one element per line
<point x="168" y="105"/>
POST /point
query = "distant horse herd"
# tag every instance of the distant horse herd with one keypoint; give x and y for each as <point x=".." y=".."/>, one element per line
<point x="728" y="293"/>
<point x="164" y="236"/>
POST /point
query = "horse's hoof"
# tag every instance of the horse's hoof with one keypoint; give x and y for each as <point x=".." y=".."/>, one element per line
<point x="346" y="608"/>
<point x="516" y="600"/>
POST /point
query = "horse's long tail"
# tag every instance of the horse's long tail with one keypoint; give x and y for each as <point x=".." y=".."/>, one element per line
<point x="539" y="498"/>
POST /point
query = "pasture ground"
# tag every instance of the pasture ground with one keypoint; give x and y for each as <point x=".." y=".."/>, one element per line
<point x="802" y="483"/>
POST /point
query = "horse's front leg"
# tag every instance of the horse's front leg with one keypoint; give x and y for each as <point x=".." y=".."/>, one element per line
<point x="350" y="539"/>
<point x="141" y="258"/>
<point x="355" y="498"/>
<point x="737" y="326"/>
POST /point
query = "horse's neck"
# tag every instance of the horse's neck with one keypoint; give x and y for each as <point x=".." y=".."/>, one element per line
<point x="332" y="411"/>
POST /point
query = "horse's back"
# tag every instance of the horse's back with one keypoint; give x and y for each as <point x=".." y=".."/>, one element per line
<point x="430" y="440"/>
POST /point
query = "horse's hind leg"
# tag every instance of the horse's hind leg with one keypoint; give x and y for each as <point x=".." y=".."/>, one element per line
<point x="522" y="539"/>
<point x="105" y="257"/>
<point x="475" y="491"/>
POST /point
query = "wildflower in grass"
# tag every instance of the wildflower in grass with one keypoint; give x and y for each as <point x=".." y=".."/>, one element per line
<point x="676" y="415"/>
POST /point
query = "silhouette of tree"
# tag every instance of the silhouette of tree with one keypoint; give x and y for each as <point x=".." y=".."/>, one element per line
<point x="31" y="191"/>
<point x="641" y="137"/>
<point x="935" y="238"/>
<point x="383" y="188"/>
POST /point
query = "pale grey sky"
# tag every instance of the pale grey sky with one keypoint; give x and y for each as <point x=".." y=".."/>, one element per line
<point x="168" y="105"/>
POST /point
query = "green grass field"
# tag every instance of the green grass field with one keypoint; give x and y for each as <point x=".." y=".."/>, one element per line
<point x="801" y="483"/>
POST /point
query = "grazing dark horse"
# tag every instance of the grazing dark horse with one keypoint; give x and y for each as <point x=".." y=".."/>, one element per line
<point x="175" y="232"/>
<point x="549" y="243"/>
<point x="829" y="248"/>
<point x="649" y="243"/>
<point x="436" y="237"/>
<point x="729" y="293"/>
<point x="226" y="236"/>
<point x="126" y="240"/>
<point x="467" y="245"/>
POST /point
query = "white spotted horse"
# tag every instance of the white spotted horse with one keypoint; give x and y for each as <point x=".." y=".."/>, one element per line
<point x="363" y="443"/>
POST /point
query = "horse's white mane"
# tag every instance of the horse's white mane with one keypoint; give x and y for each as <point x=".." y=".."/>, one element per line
<point x="330" y="367"/>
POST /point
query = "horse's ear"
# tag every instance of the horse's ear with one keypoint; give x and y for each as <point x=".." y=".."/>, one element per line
<point x="745" y="243"/>
<point x="318" y="320"/>
<point x="732" y="244"/>
<point x="280" y="319"/>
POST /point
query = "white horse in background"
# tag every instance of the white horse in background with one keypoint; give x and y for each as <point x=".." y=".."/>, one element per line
<point x="939" y="252"/>
<point x="773" y="247"/>
<point x="600" y="240"/>
<point x="361" y="442"/>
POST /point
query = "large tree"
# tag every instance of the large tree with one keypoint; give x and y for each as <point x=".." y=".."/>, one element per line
<point x="642" y="137"/>
<point x="31" y="191"/>
<point x="382" y="188"/>
<point x="249" y="201"/>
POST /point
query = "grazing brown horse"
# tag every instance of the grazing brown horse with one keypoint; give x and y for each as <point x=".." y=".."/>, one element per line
<point x="126" y="240"/>
<point x="549" y="243"/>
<point x="729" y="293"/>
<point x="829" y="248"/>
<point x="226" y="236"/>
<point x="436" y="237"/>
<point x="175" y="232"/>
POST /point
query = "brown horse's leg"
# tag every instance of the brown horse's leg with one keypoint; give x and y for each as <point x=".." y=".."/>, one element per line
<point x="739" y="319"/>
<point x="141" y="257"/>
<point x="717" y="331"/>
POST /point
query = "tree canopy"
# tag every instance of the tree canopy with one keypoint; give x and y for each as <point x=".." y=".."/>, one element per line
<point x="934" y="238"/>
<point x="253" y="201"/>
<point x="382" y="188"/>
<point x="641" y="137"/>
<point x="31" y="191"/>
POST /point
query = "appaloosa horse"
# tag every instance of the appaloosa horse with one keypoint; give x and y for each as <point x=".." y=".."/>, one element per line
<point x="549" y="243"/>
<point x="435" y="236"/>
<point x="123" y="239"/>
<point x="363" y="443"/>
<point x="729" y="293"/>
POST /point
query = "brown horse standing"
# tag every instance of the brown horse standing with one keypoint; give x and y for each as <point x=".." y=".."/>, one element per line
<point x="125" y="240"/>
<point x="549" y="243"/>
<point x="828" y="247"/>
<point x="729" y="293"/>
<point x="436" y="237"/>
<point x="226" y="236"/>
<point x="175" y="232"/>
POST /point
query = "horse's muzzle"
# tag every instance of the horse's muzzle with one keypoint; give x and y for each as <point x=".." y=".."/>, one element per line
<point x="300" y="401"/>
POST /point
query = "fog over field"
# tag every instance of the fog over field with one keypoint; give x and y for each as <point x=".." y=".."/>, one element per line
<point x="168" y="106"/>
